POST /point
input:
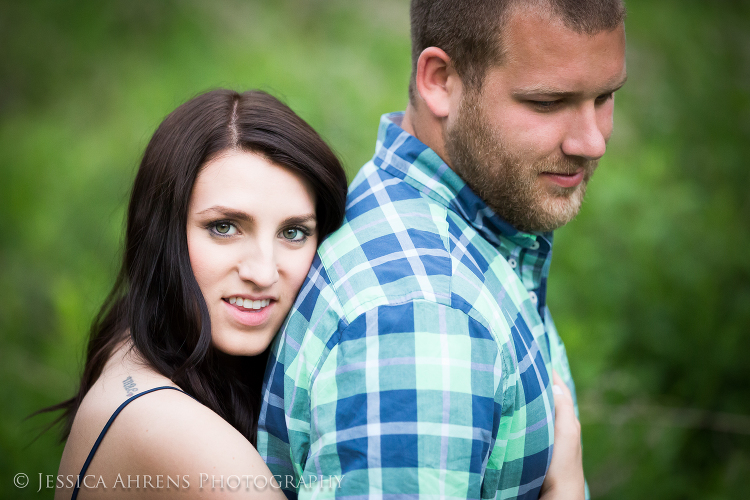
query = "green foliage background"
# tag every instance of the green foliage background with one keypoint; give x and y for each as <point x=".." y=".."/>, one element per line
<point x="650" y="286"/>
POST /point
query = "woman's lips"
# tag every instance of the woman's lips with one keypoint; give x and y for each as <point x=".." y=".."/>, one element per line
<point x="565" y="180"/>
<point x="250" y="317"/>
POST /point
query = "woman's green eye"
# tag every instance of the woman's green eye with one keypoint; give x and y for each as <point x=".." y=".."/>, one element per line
<point x="293" y="234"/>
<point x="224" y="228"/>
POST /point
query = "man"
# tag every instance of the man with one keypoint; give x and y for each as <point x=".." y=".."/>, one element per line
<point x="418" y="358"/>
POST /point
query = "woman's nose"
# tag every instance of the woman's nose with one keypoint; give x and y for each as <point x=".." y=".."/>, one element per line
<point x="258" y="265"/>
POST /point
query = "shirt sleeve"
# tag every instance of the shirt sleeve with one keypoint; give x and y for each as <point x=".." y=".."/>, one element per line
<point x="408" y="402"/>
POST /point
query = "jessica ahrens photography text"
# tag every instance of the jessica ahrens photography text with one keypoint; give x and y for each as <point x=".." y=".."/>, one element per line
<point x="201" y="481"/>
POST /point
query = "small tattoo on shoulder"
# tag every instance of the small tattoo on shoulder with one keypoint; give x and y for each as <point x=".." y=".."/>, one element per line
<point x="129" y="385"/>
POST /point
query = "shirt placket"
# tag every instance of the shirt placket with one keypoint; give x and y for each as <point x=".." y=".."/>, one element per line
<point x="532" y="262"/>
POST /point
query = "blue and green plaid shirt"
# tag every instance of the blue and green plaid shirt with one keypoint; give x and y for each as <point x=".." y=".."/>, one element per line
<point x="417" y="359"/>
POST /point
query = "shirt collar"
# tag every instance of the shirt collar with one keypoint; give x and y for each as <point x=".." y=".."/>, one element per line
<point x="403" y="155"/>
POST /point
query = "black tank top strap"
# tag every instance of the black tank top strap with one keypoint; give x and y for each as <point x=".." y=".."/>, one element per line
<point x="106" y="428"/>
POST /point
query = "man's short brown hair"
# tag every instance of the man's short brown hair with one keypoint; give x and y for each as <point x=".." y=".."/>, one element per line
<point x="470" y="31"/>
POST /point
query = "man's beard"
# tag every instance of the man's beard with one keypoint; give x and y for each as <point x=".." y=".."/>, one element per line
<point x="505" y="180"/>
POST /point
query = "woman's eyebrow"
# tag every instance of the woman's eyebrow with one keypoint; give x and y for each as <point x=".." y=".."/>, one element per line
<point x="229" y="213"/>
<point x="300" y="219"/>
<point x="239" y="215"/>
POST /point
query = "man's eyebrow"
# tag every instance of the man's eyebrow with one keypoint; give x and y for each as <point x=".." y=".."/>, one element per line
<point x="547" y="91"/>
<point x="543" y="90"/>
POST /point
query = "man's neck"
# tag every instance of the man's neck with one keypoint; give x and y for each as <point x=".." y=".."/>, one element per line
<point x="427" y="129"/>
<point x="406" y="123"/>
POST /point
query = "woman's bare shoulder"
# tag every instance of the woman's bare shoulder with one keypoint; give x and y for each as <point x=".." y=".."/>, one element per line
<point x="164" y="433"/>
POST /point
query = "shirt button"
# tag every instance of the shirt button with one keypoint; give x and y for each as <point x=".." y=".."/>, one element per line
<point x="533" y="297"/>
<point x="535" y="245"/>
<point x="512" y="262"/>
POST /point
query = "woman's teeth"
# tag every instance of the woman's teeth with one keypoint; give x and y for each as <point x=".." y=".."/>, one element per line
<point x="249" y="304"/>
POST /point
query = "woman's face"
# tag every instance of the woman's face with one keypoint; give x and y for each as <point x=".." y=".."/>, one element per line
<point x="252" y="235"/>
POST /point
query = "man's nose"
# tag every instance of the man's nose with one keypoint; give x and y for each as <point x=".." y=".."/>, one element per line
<point x="258" y="265"/>
<point x="588" y="132"/>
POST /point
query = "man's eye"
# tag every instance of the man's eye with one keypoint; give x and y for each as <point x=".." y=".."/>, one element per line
<point x="294" y="234"/>
<point x="545" y="105"/>
<point x="604" y="98"/>
<point x="224" y="228"/>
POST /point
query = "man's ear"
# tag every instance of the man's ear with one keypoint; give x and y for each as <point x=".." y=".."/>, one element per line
<point x="436" y="81"/>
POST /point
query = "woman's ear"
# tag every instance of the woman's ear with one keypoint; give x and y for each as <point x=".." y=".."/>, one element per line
<point x="437" y="81"/>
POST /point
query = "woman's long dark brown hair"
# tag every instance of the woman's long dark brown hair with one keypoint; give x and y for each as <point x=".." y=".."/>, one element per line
<point x="156" y="298"/>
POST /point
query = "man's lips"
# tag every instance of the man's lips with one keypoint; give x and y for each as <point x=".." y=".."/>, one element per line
<point x="565" y="180"/>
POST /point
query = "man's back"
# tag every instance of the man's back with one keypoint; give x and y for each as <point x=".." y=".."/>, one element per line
<point x="418" y="357"/>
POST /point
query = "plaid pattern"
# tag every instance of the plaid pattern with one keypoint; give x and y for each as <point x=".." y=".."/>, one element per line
<point x="417" y="359"/>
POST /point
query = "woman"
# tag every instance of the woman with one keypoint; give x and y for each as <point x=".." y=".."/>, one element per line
<point x="233" y="193"/>
<point x="232" y="196"/>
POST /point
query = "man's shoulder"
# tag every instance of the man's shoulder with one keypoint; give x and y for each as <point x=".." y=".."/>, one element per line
<point x="399" y="243"/>
<point x="393" y="244"/>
